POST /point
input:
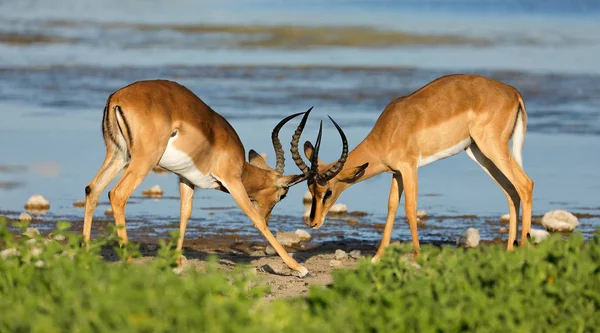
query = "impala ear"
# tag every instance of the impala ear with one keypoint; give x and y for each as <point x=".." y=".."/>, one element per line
<point x="255" y="159"/>
<point x="288" y="181"/>
<point x="353" y="174"/>
<point x="308" y="149"/>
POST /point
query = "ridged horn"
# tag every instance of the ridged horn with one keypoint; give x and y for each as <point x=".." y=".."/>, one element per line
<point x="279" y="154"/>
<point x="294" y="145"/>
<point x="339" y="165"/>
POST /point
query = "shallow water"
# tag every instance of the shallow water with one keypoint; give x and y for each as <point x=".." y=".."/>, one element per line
<point x="52" y="95"/>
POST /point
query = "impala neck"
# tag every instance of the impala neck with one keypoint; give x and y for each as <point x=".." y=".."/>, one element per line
<point x="364" y="153"/>
<point x="255" y="179"/>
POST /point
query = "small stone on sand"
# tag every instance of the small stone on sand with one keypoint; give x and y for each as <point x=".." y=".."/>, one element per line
<point x="469" y="238"/>
<point x="338" y="208"/>
<point x="505" y="218"/>
<point x="153" y="191"/>
<point x="335" y="263"/>
<point x="538" y="235"/>
<point x="287" y="238"/>
<point x="37" y="201"/>
<point x="79" y="203"/>
<point x="24" y="217"/>
<point x="559" y="221"/>
<point x="355" y="254"/>
<point x="269" y="250"/>
<point x="303" y="234"/>
<point x="421" y="214"/>
<point x="108" y="212"/>
<point x="341" y="255"/>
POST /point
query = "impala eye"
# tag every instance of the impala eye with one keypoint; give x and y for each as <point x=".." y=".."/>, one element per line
<point x="327" y="195"/>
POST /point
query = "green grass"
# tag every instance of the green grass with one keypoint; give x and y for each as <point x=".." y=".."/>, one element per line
<point x="59" y="287"/>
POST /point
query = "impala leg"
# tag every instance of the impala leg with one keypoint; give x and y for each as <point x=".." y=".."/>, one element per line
<point x="186" y="194"/>
<point x="238" y="192"/>
<point x="394" y="200"/>
<point x="509" y="190"/>
<point x="410" y="183"/>
<point x="134" y="175"/>
<point x="113" y="163"/>
<point x="499" y="154"/>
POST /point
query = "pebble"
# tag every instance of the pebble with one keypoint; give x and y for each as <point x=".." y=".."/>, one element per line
<point x="335" y="263"/>
<point x="355" y="254"/>
<point x="338" y="208"/>
<point x="538" y="235"/>
<point x="277" y="268"/>
<point x="341" y="255"/>
<point x="269" y="250"/>
<point x="505" y="218"/>
<point x="37" y="201"/>
<point x="469" y="238"/>
<point x="303" y="234"/>
<point x="24" y="217"/>
<point x="559" y="221"/>
<point x="503" y="230"/>
<point x="153" y="191"/>
<point x="79" y="204"/>
<point x="287" y="238"/>
<point x="108" y="212"/>
<point x="31" y="232"/>
<point x="421" y="214"/>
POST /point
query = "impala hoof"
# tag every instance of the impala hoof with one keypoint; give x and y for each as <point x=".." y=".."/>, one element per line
<point x="375" y="260"/>
<point x="303" y="272"/>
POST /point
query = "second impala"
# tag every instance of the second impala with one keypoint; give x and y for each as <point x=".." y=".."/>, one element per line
<point x="450" y="114"/>
<point x="160" y="122"/>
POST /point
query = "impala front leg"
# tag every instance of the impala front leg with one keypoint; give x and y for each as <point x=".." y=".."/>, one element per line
<point x="410" y="182"/>
<point x="186" y="196"/>
<point x="238" y="192"/>
<point x="395" y="194"/>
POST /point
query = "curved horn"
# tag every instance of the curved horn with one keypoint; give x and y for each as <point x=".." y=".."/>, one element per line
<point x="339" y="165"/>
<point x="279" y="154"/>
<point x="294" y="144"/>
<point x="314" y="159"/>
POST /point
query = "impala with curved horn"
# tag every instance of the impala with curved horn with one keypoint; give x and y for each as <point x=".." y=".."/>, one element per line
<point x="162" y="123"/>
<point x="450" y="114"/>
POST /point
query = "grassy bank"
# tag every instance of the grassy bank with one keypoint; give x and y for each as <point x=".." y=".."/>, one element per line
<point x="55" y="286"/>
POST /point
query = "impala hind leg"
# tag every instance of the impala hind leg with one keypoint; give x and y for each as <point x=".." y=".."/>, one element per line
<point x="135" y="173"/>
<point x="497" y="151"/>
<point x="113" y="163"/>
<point x="507" y="187"/>
<point x="186" y="195"/>
<point x="394" y="200"/>
<point x="239" y="194"/>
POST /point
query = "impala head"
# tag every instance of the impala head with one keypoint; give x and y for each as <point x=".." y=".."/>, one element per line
<point x="325" y="181"/>
<point x="267" y="186"/>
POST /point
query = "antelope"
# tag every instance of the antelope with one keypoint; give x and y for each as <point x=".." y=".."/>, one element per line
<point x="159" y="122"/>
<point x="452" y="113"/>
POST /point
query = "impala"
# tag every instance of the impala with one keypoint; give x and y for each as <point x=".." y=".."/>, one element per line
<point x="453" y="113"/>
<point x="162" y="123"/>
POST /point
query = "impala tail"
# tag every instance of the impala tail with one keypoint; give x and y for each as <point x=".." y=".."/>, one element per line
<point x="116" y="128"/>
<point x="519" y="131"/>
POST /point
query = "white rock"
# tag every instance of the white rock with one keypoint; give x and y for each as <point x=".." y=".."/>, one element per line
<point x="287" y="238"/>
<point x="31" y="232"/>
<point x="505" y="218"/>
<point x="24" y="217"/>
<point x="335" y="263"/>
<point x="469" y="238"/>
<point x="109" y="211"/>
<point x="37" y="201"/>
<point x="153" y="191"/>
<point x="421" y="214"/>
<point x="303" y="234"/>
<point x="559" y="221"/>
<point x="538" y="235"/>
<point x="307" y="197"/>
<point x="341" y="255"/>
<point x="338" y="208"/>
<point x="355" y="254"/>
<point x="269" y="250"/>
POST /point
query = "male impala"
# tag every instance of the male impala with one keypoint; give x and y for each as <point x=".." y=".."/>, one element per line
<point x="448" y="115"/>
<point x="151" y="123"/>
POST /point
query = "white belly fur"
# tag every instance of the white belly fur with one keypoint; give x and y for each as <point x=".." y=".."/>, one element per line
<point x="181" y="164"/>
<point x="445" y="153"/>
